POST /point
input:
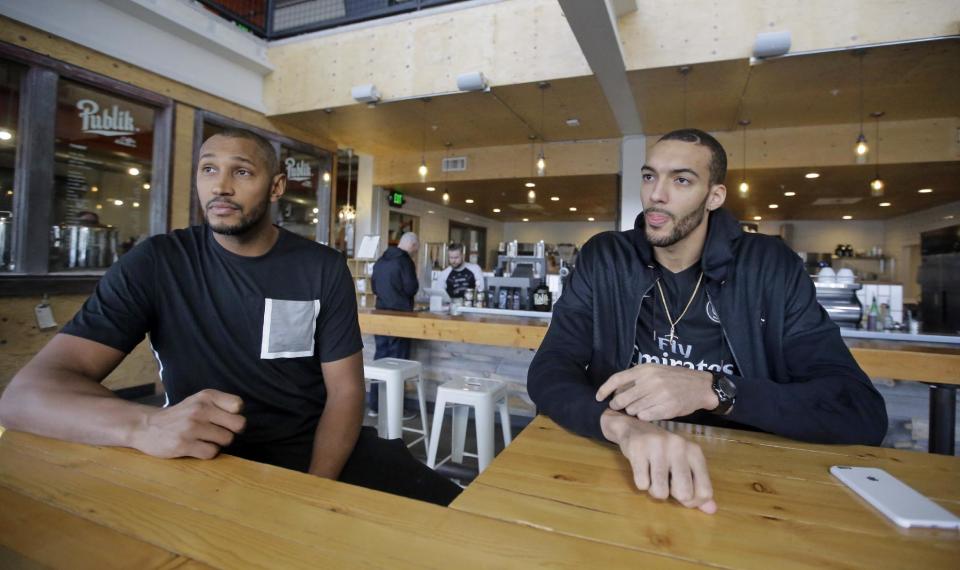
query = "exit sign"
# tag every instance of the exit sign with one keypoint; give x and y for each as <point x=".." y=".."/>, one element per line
<point x="396" y="199"/>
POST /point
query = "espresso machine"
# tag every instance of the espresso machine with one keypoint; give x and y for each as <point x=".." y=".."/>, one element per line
<point x="841" y="303"/>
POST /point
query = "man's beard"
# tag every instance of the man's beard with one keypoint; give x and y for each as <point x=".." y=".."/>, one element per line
<point x="681" y="228"/>
<point x="247" y="221"/>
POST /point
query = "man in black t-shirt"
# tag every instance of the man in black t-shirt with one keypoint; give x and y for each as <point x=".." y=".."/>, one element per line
<point x="256" y="334"/>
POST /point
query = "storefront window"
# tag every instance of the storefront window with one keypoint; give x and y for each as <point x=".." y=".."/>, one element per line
<point x="102" y="172"/>
<point x="307" y="176"/>
<point x="10" y="75"/>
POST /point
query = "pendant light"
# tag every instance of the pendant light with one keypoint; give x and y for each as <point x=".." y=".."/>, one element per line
<point x="744" y="187"/>
<point x="348" y="213"/>
<point x="329" y="113"/>
<point x="877" y="185"/>
<point x="446" y="175"/>
<point x="861" y="148"/>
<point x="541" y="159"/>
<point x="422" y="171"/>
<point x="531" y="194"/>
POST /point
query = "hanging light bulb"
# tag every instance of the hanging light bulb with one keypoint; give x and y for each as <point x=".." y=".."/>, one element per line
<point x="348" y="213"/>
<point x="876" y="185"/>
<point x="861" y="148"/>
<point x="744" y="187"/>
<point x="422" y="171"/>
<point x="541" y="160"/>
<point x="531" y="196"/>
<point x="446" y="197"/>
<point x="326" y="176"/>
<point x="5" y="135"/>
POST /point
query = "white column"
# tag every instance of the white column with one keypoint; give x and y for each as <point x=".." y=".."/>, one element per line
<point x="368" y="214"/>
<point x="633" y="153"/>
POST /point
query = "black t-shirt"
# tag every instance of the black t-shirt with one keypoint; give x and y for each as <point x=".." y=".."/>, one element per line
<point x="257" y="327"/>
<point x="699" y="343"/>
<point x="460" y="280"/>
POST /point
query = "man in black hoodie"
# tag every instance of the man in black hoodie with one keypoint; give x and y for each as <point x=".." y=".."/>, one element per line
<point x="690" y="318"/>
<point x="395" y="284"/>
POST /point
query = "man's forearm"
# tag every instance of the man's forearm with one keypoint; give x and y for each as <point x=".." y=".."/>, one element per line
<point x="337" y="432"/>
<point x="66" y="406"/>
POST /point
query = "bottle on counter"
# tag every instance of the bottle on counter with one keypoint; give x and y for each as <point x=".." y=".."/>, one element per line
<point x="468" y="298"/>
<point x="479" y="297"/>
<point x="516" y="300"/>
<point x="542" y="298"/>
<point x="502" y="301"/>
<point x="491" y="298"/>
<point x="873" y="316"/>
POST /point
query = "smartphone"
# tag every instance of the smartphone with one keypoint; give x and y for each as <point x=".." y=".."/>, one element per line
<point x="894" y="498"/>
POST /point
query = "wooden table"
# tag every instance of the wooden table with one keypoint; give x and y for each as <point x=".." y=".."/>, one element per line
<point x="937" y="366"/>
<point x="779" y="507"/>
<point x="76" y="506"/>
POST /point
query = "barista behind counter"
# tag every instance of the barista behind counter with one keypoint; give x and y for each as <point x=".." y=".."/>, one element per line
<point x="460" y="275"/>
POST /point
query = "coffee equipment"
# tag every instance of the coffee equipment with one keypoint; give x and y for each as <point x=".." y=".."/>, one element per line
<point x="6" y="241"/>
<point x="841" y="303"/>
<point x="75" y="246"/>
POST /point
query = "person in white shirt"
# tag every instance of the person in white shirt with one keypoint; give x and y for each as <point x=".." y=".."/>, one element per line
<point x="460" y="275"/>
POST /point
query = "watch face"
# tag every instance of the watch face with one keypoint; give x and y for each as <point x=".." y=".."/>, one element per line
<point x="726" y="389"/>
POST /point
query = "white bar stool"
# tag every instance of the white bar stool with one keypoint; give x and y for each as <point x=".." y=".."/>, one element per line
<point x="391" y="374"/>
<point x="482" y="394"/>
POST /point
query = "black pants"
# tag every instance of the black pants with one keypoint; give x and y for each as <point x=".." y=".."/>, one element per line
<point x="387" y="347"/>
<point x="380" y="464"/>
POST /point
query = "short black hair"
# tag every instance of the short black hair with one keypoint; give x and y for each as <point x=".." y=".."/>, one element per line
<point x="718" y="156"/>
<point x="267" y="152"/>
<point x="455" y="246"/>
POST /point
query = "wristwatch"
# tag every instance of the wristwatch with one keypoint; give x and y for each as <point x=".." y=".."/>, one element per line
<point x="726" y="392"/>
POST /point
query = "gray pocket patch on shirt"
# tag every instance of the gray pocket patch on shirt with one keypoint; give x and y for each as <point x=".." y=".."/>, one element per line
<point x="288" y="328"/>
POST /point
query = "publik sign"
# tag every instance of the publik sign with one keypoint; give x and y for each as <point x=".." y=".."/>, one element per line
<point x="110" y="122"/>
<point x="299" y="171"/>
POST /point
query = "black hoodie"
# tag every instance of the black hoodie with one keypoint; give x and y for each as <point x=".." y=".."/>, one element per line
<point x="798" y="379"/>
<point x="395" y="280"/>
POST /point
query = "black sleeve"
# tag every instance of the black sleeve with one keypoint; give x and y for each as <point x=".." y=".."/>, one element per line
<point x="338" y="330"/>
<point x="410" y="284"/>
<point x="121" y="310"/>
<point x="829" y="399"/>
<point x="557" y="379"/>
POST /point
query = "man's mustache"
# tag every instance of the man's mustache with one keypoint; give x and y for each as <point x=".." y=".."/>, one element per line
<point x="227" y="201"/>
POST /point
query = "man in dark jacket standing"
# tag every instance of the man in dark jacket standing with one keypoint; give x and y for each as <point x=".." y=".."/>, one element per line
<point x="690" y="318"/>
<point x="395" y="284"/>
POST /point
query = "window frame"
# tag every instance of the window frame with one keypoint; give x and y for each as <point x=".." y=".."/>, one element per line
<point x="33" y="175"/>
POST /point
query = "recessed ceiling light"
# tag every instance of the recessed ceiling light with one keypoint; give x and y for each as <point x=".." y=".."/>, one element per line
<point x="573" y="208"/>
<point x="555" y="198"/>
<point x="469" y="200"/>
<point x="925" y="190"/>
<point x="429" y="211"/>
<point x="812" y="175"/>
<point x="591" y="219"/>
<point x="134" y="171"/>
<point x="848" y="217"/>
<point x="146" y="186"/>
<point x="496" y="210"/>
<point x="788" y="194"/>
<point x="884" y="204"/>
<point x="758" y="218"/>
<point x="430" y="188"/>
<point x="118" y="202"/>
<point x="136" y="204"/>
<point x="526" y="219"/>
<point x="94" y="189"/>
<point x="530" y="184"/>
<point x="948" y="217"/>
<point x="774" y="206"/>
<point x="573" y="122"/>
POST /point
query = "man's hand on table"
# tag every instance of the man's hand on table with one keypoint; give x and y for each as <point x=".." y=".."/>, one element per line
<point x="653" y="392"/>
<point x="199" y="426"/>
<point x="664" y="464"/>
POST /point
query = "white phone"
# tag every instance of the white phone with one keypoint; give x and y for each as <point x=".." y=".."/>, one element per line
<point x="899" y="502"/>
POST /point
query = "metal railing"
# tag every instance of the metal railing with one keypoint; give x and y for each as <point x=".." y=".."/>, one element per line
<point x="274" y="19"/>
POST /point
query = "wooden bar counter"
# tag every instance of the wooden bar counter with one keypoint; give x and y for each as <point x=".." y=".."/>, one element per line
<point x="938" y="366"/>
<point x="779" y="506"/>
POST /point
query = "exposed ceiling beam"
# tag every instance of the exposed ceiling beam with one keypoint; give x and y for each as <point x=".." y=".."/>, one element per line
<point x="595" y="28"/>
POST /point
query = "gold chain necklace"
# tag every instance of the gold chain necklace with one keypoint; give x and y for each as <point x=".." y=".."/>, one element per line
<point x="673" y="323"/>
